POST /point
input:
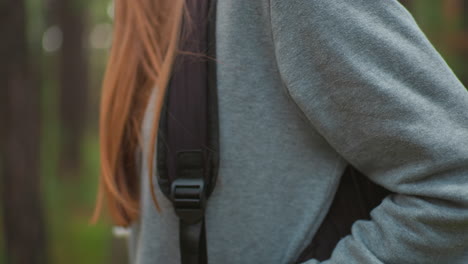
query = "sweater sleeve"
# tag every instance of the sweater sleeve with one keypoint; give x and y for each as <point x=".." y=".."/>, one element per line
<point x="368" y="79"/>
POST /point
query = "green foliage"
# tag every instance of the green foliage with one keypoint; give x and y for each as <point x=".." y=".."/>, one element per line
<point x="429" y="14"/>
<point x="69" y="201"/>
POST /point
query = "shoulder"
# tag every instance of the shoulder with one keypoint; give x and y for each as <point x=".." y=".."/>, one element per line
<point x="323" y="12"/>
<point x="343" y="28"/>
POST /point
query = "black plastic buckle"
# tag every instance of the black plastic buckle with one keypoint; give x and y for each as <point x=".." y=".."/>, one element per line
<point x="188" y="189"/>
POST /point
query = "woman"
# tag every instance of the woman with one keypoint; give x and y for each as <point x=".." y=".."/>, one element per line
<point x="305" y="88"/>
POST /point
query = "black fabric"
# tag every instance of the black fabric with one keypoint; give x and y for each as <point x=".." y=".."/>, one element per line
<point x="188" y="89"/>
<point x="355" y="197"/>
<point x="213" y="121"/>
<point x="191" y="75"/>
<point x="193" y="242"/>
<point x="188" y="135"/>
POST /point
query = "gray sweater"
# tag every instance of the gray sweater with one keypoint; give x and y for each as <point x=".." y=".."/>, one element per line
<point x="305" y="88"/>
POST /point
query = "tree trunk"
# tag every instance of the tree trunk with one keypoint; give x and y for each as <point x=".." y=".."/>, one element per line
<point x="23" y="221"/>
<point x="73" y="83"/>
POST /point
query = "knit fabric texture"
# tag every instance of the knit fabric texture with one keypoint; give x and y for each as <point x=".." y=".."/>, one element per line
<point x="306" y="88"/>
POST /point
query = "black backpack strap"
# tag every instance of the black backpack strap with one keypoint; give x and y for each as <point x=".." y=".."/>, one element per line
<point x="193" y="243"/>
<point x="189" y="199"/>
<point x="188" y="135"/>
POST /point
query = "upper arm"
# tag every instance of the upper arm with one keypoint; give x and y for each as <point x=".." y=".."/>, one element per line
<point x="373" y="85"/>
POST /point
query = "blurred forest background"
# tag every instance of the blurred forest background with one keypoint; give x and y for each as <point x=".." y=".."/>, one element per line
<point x="53" y="54"/>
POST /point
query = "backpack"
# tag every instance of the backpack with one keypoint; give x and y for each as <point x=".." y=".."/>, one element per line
<point x="187" y="153"/>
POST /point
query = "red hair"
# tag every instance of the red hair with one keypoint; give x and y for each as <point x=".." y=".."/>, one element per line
<point x="145" y="40"/>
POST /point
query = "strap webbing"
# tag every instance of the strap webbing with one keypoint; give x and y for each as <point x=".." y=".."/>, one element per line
<point x="188" y="131"/>
<point x="193" y="242"/>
